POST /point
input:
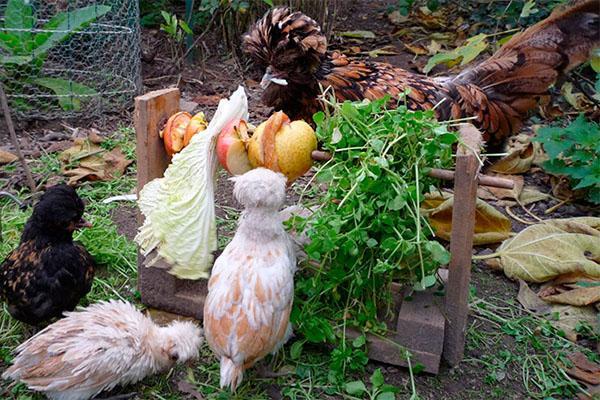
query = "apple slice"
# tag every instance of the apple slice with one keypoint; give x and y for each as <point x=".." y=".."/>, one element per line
<point x="231" y="148"/>
<point x="174" y="132"/>
<point x="197" y="124"/>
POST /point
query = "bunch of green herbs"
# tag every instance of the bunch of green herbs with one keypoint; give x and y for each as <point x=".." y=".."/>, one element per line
<point x="367" y="231"/>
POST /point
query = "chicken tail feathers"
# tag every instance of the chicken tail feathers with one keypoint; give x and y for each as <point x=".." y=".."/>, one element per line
<point x="501" y="90"/>
<point x="231" y="373"/>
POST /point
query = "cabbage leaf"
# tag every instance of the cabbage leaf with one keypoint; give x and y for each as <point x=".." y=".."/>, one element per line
<point x="179" y="208"/>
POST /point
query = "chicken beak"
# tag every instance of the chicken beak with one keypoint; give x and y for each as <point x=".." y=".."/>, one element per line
<point x="82" y="223"/>
<point x="269" y="78"/>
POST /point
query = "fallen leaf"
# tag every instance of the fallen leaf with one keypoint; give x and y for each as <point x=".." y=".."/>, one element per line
<point x="7" y="158"/>
<point x="58" y="146"/>
<point x="528" y="9"/>
<point x="576" y="296"/>
<point x="518" y="161"/>
<point x="563" y="317"/>
<point x="94" y="136"/>
<point x="578" y="100"/>
<point x="397" y="18"/>
<point x="531" y="301"/>
<point x="187" y="388"/>
<point x="354" y="49"/>
<point x="463" y="54"/>
<point x="548" y="109"/>
<point x="429" y="19"/>
<point x="493" y="263"/>
<point x="433" y="48"/>
<point x="443" y="37"/>
<point x="531" y="195"/>
<point x="569" y="317"/>
<point x="544" y="251"/>
<point x="88" y="161"/>
<point x="501" y="193"/>
<point x="383" y="51"/>
<point x="207" y="100"/>
<point x="81" y="148"/>
<point x="574" y="289"/>
<point x="358" y="34"/>
<point x="418" y="50"/>
<point x="491" y="226"/>
<point x="584" y="369"/>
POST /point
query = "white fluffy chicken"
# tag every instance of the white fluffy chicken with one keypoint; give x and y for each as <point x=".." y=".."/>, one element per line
<point x="251" y="288"/>
<point x="99" y="347"/>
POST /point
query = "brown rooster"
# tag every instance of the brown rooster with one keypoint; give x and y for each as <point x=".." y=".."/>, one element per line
<point x="499" y="91"/>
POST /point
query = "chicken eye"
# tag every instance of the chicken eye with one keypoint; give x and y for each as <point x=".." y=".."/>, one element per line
<point x="174" y="357"/>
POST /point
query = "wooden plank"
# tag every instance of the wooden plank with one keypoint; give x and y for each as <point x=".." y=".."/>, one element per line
<point x="151" y="112"/>
<point x="158" y="288"/>
<point x="461" y="243"/>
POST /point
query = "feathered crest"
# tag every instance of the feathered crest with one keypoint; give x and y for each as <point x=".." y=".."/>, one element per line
<point x="280" y="31"/>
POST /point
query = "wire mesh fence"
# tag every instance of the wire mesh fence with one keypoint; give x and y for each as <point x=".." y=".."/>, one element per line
<point x="69" y="58"/>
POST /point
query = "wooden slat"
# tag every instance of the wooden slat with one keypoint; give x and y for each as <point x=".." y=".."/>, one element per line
<point x="151" y="111"/>
<point x="158" y="288"/>
<point x="461" y="243"/>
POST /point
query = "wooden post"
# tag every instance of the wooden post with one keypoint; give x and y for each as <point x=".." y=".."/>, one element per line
<point x="461" y="243"/>
<point x="151" y="111"/>
<point x="158" y="288"/>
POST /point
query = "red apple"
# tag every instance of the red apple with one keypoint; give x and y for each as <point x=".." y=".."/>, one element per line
<point x="231" y="147"/>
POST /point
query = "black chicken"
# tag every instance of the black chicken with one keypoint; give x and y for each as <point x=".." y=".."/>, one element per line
<point x="48" y="273"/>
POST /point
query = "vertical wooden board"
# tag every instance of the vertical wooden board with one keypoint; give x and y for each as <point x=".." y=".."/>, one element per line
<point x="158" y="288"/>
<point x="151" y="111"/>
<point x="461" y="243"/>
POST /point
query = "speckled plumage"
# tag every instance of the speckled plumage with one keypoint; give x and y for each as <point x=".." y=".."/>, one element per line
<point x="48" y="273"/>
<point x="99" y="347"/>
<point x="251" y="288"/>
<point x="499" y="92"/>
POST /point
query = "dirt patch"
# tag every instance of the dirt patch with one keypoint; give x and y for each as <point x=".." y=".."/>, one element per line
<point x="125" y="218"/>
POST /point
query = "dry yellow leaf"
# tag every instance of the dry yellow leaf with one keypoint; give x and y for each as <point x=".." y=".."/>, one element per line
<point x="576" y="295"/>
<point x="418" y="50"/>
<point x="516" y="162"/>
<point x="514" y="193"/>
<point x="6" y="157"/>
<point x="544" y="251"/>
<point x="433" y="48"/>
<point x="563" y="317"/>
<point x="86" y="160"/>
<point x="491" y="226"/>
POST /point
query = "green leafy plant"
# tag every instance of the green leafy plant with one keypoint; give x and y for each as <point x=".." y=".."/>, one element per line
<point x="574" y="152"/>
<point x="26" y="48"/>
<point x="404" y="6"/>
<point x="379" y="390"/>
<point x="367" y="230"/>
<point x="176" y="29"/>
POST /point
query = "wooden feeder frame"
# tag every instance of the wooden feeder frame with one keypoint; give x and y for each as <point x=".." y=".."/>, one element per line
<point x="430" y="327"/>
